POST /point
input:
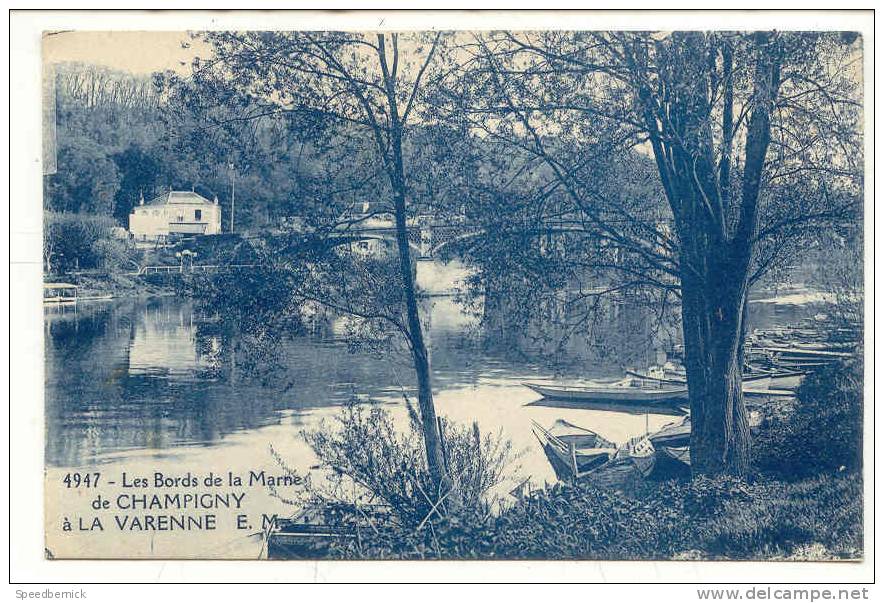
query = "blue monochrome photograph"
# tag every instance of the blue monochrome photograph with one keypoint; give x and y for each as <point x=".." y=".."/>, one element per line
<point x="454" y="294"/>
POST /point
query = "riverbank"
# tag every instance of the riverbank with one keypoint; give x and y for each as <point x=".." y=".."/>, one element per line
<point x="721" y="519"/>
<point x="802" y="501"/>
<point x="116" y="285"/>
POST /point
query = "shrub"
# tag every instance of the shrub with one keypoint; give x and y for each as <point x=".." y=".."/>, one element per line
<point x="369" y="460"/>
<point x="73" y="240"/>
<point x="112" y="254"/>
<point x="824" y="431"/>
<point x="705" y="496"/>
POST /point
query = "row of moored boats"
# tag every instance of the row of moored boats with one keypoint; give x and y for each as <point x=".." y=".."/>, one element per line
<point x="777" y="362"/>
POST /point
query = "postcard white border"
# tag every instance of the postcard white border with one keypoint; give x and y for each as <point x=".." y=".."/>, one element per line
<point x="26" y="362"/>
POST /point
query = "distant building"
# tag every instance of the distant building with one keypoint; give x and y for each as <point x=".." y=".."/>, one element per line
<point x="175" y="212"/>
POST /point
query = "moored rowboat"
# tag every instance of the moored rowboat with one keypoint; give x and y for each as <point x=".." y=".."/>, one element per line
<point x="798" y="352"/>
<point x="673" y="441"/>
<point x="626" y="390"/>
<point x="674" y="434"/>
<point x="572" y="450"/>
<point x="681" y="454"/>
<point x="640" y="451"/>
<point x="752" y="382"/>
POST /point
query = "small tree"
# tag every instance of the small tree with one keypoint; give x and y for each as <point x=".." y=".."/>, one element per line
<point x="362" y="89"/>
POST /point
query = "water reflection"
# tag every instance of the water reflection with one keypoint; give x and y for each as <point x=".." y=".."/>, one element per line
<point x="126" y="376"/>
<point x="618" y="407"/>
<point x="152" y="376"/>
<point x="164" y="340"/>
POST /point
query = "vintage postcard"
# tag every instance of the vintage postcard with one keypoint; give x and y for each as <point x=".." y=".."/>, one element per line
<point x="469" y="292"/>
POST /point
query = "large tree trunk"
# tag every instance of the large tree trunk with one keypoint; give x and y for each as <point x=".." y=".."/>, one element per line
<point x="715" y="250"/>
<point x="713" y="321"/>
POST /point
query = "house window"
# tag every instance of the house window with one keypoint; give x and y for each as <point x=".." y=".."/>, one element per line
<point x="198" y="215"/>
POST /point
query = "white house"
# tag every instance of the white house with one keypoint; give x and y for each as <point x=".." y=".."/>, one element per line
<point x="175" y="212"/>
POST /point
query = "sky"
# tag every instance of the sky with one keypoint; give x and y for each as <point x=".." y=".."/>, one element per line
<point x="139" y="52"/>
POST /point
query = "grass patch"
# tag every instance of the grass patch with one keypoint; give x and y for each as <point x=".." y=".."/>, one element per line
<point x="819" y="518"/>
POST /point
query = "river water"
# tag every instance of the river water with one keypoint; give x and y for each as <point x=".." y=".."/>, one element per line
<point x="132" y="385"/>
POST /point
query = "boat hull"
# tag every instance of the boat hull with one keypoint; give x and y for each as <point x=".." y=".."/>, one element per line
<point x="787" y="381"/>
<point x="612" y="394"/>
<point x="586" y="462"/>
<point x="751" y="383"/>
<point x="681" y="454"/>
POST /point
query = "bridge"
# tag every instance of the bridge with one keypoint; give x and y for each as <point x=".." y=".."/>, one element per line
<point x="427" y="236"/>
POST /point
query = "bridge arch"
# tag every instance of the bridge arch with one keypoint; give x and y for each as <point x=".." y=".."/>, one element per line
<point x="388" y="238"/>
<point x="446" y="242"/>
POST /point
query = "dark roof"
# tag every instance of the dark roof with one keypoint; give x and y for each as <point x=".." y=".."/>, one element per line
<point x="179" y="198"/>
